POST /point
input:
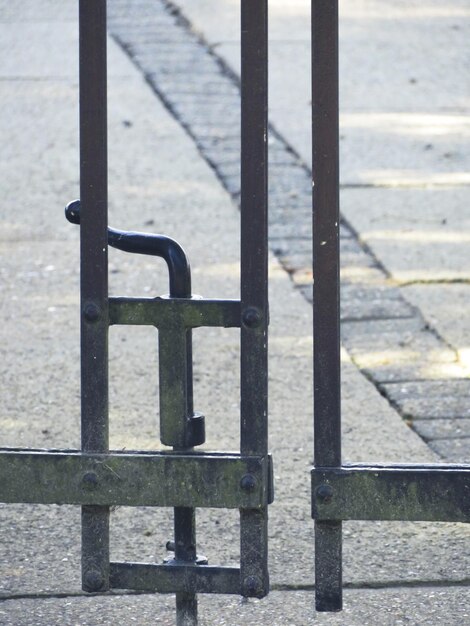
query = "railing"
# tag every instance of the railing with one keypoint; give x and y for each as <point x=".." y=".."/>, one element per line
<point x="95" y="477"/>
<point x="360" y="492"/>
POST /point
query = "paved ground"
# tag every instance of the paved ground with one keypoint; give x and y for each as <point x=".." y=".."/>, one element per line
<point x="405" y="208"/>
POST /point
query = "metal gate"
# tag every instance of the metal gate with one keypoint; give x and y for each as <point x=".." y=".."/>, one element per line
<point x="96" y="478"/>
<point x="351" y="492"/>
<point x="185" y="479"/>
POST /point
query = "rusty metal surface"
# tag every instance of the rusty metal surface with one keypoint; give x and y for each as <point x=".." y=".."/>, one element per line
<point x="152" y="479"/>
<point x="396" y="492"/>
<point x="181" y="578"/>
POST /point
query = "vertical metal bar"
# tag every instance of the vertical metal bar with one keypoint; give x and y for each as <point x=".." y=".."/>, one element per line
<point x="185" y="550"/>
<point x="254" y="278"/>
<point x="173" y="370"/>
<point x="176" y="407"/>
<point x="185" y="517"/>
<point x="94" y="277"/>
<point x="326" y="331"/>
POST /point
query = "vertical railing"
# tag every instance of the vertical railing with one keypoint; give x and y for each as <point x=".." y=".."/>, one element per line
<point x="94" y="279"/>
<point x="254" y="282"/>
<point x="95" y="314"/>
<point x="327" y="396"/>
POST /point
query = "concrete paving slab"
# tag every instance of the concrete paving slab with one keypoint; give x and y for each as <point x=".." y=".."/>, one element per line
<point x="455" y="450"/>
<point x="418" y="234"/>
<point x="41" y="552"/>
<point x="442" y="428"/>
<point x="26" y="146"/>
<point x="364" y="302"/>
<point x="369" y="36"/>
<point x="27" y="11"/>
<point x="368" y="293"/>
<point x="431" y="399"/>
<point x="290" y="210"/>
<point x="438" y="412"/>
<point x="423" y="148"/>
<point x="399" y="350"/>
<point x="393" y="607"/>
<point x="445" y="307"/>
<point x="417" y="111"/>
<point x="58" y="60"/>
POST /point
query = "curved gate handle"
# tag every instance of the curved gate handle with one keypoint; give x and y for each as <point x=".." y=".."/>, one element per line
<point x="146" y="243"/>
<point x="180" y="287"/>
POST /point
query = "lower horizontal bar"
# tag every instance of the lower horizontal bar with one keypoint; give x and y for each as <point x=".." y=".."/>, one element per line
<point x="135" y="479"/>
<point x="439" y="493"/>
<point x="175" y="578"/>
<point x="191" y="312"/>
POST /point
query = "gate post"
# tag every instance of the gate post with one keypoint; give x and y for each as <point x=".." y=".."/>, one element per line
<point x="254" y="277"/>
<point x="94" y="277"/>
<point x="326" y="326"/>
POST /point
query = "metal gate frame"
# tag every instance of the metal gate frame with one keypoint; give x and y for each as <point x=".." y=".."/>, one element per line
<point x="95" y="477"/>
<point x="411" y="492"/>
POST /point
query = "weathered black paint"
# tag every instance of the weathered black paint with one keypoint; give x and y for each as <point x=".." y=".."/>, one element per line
<point x="166" y="479"/>
<point x="241" y="481"/>
<point x="326" y="320"/>
<point x="94" y="275"/>
<point x="356" y="492"/>
<point x="254" y="279"/>
<point x="422" y="493"/>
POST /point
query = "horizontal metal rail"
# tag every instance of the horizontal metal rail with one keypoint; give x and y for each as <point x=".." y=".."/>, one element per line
<point x="438" y="493"/>
<point x="189" y="312"/>
<point x="121" y="479"/>
<point x="175" y="578"/>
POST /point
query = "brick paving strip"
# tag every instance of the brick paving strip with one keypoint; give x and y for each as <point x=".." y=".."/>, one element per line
<point x="387" y="338"/>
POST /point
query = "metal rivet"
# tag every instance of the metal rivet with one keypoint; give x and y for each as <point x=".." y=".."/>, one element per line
<point x="248" y="482"/>
<point x="324" y="493"/>
<point x="252" y="586"/>
<point x="91" y="312"/>
<point x="93" y="580"/>
<point x="251" y="317"/>
<point x="90" y="479"/>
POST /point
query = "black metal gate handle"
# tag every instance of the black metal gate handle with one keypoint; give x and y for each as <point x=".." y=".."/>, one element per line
<point x="147" y="243"/>
<point x="180" y="287"/>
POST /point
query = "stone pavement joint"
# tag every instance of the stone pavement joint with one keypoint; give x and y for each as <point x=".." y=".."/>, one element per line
<point x="202" y="93"/>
